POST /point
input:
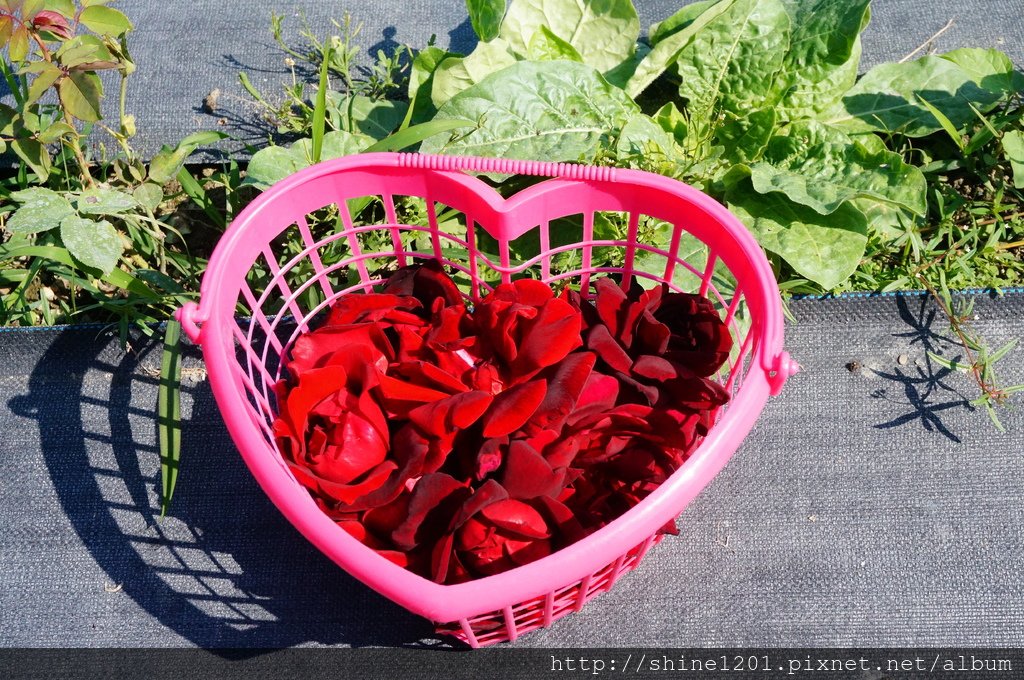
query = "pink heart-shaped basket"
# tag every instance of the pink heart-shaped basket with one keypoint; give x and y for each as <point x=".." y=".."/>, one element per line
<point x="271" y="267"/>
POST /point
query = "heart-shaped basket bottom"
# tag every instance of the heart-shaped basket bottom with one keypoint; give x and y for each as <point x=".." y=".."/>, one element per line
<point x="295" y="249"/>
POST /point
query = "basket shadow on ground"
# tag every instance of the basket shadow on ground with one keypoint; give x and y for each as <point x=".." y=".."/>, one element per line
<point x="224" y="569"/>
<point x="926" y="387"/>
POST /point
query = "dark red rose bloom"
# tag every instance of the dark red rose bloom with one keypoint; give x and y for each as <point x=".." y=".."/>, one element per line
<point x="527" y="327"/>
<point x="461" y="442"/>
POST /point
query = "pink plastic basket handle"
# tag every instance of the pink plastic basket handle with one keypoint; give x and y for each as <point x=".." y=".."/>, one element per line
<point x="507" y="166"/>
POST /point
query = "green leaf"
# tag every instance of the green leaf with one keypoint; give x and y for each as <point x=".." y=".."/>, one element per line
<point x="672" y="121"/>
<point x="168" y="407"/>
<point x="604" y="32"/>
<point x="485" y="16"/>
<point x="41" y="210"/>
<point x="455" y="74"/>
<point x="821" y="167"/>
<point x="168" y="162"/>
<point x="678" y="21"/>
<point x="989" y="69"/>
<point x="945" y="122"/>
<point x="825" y="250"/>
<point x="85" y="50"/>
<point x="546" y="46"/>
<point x="65" y="8"/>
<point x="886" y="220"/>
<point x="824" y="55"/>
<point x="94" y="244"/>
<point x="731" y="63"/>
<point x="552" y="110"/>
<point x="642" y="137"/>
<point x="319" y="122"/>
<point x="17" y="48"/>
<point x="43" y="82"/>
<point x="34" y="154"/>
<point x="105" y="20"/>
<point x="664" y="53"/>
<point x="99" y="201"/>
<point x="376" y="118"/>
<point x="415" y="134"/>
<point x="619" y="76"/>
<point x="149" y="195"/>
<point x="744" y="138"/>
<point x="30" y="8"/>
<point x="55" y="131"/>
<point x="274" y="163"/>
<point x="1013" y="151"/>
<point x="80" y="93"/>
<point x="421" y="81"/>
<point x="888" y="98"/>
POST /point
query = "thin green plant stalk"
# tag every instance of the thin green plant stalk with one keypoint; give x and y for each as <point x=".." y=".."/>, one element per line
<point x="169" y="414"/>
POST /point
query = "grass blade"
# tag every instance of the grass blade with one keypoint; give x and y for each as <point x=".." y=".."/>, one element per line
<point x="417" y="133"/>
<point x="320" y="108"/>
<point x="194" y="190"/>
<point x="169" y="414"/>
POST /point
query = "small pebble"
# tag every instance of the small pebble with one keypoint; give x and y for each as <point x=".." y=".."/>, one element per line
<point x="813" y="518"/>
<point x="902" y="359"/>
<point x="112" y="587"/>
<point x="853" y="366"/>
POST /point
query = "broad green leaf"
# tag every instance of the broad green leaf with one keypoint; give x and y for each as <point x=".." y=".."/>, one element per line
<point x="34" y="154"/>
<point x="824" y="55"/>
<point x="678" y="21"/>
<point x="1013" y="151"/>
<point x="166" y="164"/>
<point x="486" y="16"/>
<point x="99" y="201"/>
<point x="546" y="46"/>
<point x="65" y="8"/>
<point x="642" y="137"/>
<point x="824" y="249"/>
<point x="84" y="50"/>
<point x="376" y="118"/>
<point x="455" y="74"/>
<point x="888" y="98"/>
<point x="6" y="28"/>
<point x="421" y="81"/>
<point x="604" y="32"/>
<point x="54" y="132"/>
<point x="80" y="93"/>
<point x="105" y="20"/>
<point x="744" y="138"/>
<point x="95" y="244"/>
<point x="17" y="48"/>
<point x="989" y="69"/>
<point x="553" y="110"/>
<point x="30" y="8"/>
<point x="43" y="82"/>
<point x="672" y="121"/>
<point x="886" y="220"/>
<point x="274" y="163"/>
<point x="663" y="54"/>
<point x="821" y="167"/>
<point x="731" y="63"/>
<point x="149" y="195"/>
<point x="619" y="75"/>
<point x="41" y="210"/>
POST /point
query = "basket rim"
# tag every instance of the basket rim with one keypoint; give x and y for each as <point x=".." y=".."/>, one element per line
<point x="444" y="603"/>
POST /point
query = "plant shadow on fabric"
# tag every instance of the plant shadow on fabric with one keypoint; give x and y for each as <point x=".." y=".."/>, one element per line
<point x="224" y="569"/>
<point x="925" y="389"/>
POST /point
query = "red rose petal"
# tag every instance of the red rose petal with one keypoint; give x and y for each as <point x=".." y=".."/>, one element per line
<point x="432" y="494"/>
<point x="654" y="368"/>
<point x="611" y="303"/>
<point x="518" y="518"/>
<point x="564" y="389"/>
<point x="552" y="335"/>
<point x="512" y="408"/>
<point x="600" y="341"/>
<point x="350" y="493"/>
<point x="349" y="309"/>
<point x="490" y="492"/>
<point x="532" y="292"/>
<point x="440" y="418"/>
<point x="527" y="474"/>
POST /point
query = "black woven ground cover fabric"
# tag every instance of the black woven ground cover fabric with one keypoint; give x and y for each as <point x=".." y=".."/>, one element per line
<point x="868" y="507"/>
<point x="186" y="50"/>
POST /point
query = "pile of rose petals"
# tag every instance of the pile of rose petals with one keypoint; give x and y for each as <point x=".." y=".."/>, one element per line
<point x="460" y="441"/>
